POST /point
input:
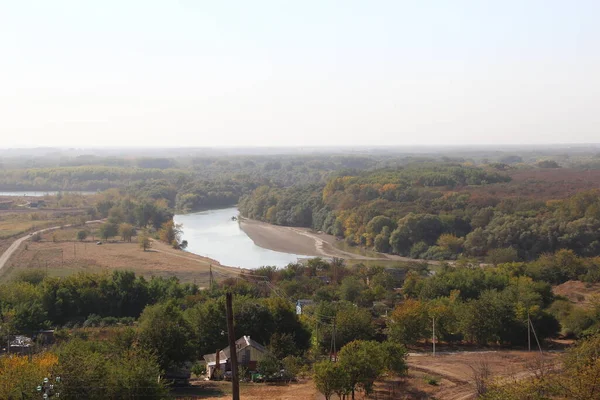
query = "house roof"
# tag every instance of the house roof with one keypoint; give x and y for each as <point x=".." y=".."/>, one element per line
<point x="224" y="354"/>
<point x="21" y="341"/>
<point x="304" y="302"/>
<point x="211" y="358"/>
<point x="244" y="342"/>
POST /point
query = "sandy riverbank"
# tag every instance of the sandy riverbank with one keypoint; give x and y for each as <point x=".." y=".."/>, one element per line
<point x="301" y="241"/>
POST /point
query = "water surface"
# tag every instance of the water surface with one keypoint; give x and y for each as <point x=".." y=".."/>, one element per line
<point x="41" y="194"/>
<point x="213" y="234"/>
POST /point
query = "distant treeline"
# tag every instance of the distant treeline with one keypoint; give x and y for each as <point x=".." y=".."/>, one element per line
<point x="421" y="211"/>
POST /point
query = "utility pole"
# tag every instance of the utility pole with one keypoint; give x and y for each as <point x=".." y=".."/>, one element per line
<point x="535" y="335"/>
<point x="528" y="331"/>
<point x="433" y="335"/>
<point x="235" y="384"/>
<point x="334" y="346"/>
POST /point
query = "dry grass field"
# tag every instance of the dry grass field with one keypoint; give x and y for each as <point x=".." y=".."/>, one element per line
<point x="60" y="255"/>
<point x="210" y="390"/>
<point x="17" y="223"/>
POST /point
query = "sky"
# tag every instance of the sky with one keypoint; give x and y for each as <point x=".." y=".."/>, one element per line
<point x="298" y="73"/>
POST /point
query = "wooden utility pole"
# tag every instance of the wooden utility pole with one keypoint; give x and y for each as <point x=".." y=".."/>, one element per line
<point x="433" y="336"/>
<point x="235" y="384"/>
<point x="528" y="332"/>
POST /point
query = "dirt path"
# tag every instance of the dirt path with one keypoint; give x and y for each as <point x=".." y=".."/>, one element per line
<point x="457" y="368"/>
<point x="15" y="245"/>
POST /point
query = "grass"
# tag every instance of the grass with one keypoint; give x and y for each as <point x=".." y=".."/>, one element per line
<point x="15" y="224"/>
<point x="61" y="258"/>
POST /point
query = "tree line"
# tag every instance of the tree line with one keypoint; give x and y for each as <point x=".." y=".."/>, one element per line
<point x="414" y="212"/>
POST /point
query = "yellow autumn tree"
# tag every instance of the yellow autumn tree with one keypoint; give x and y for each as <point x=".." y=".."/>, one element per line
<point x="19" y="376"/>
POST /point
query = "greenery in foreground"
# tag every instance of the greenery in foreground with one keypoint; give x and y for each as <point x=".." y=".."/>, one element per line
<point x="160" y="324"/>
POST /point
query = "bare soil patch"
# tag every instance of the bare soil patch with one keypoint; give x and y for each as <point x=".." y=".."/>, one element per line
<point x="249" y="391"/>
<point x="580" y="293"/>
<point x="454" y="373"/>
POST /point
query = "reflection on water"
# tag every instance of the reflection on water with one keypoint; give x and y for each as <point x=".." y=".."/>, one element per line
<point x="213" y="234"/>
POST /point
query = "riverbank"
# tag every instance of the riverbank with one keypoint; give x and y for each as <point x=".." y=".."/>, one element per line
<point x="294" y="240"/>
<point x="305" y="241"/>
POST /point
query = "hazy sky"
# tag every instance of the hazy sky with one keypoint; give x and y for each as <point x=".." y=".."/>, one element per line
<point x="218" y="72"/>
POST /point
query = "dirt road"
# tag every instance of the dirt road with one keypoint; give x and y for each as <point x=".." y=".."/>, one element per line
<point x="15" y="245"/>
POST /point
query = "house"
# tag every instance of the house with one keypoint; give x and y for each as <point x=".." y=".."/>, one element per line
<point x="300" y="304"/>
<point x="249" y="352"/>
<point x="20" y="345"/>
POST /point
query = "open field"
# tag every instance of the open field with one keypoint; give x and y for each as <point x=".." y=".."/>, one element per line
<point x="62" y="258"/>
<point x="17" y="223"/>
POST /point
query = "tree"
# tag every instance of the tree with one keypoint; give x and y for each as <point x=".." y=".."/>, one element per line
<point x="408" y="322"/>
<point x="170" y="232"/>
<point x="20" y="375"/>
<point x="144" y="241"/>
<point x="330" y="378"/>
<point x="269" y="365"/>
<point x="104" y="370"/>
<point x="108" y="230"/>
<point x="127" y="231"/>
<point x="501" y="256"/>
<point x="451" y="243"/>
<point x="163" y="331"/>
<point x="363" y="362"/>
<point x="353" y="323"/>
<point x="82" y="235"/>
<point x="395" y="357"/>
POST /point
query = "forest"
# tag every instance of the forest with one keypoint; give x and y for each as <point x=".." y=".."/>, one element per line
<point x="437" y="212"/>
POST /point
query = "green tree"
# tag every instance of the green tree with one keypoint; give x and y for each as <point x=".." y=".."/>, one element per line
<point x="330" y="378"/>
<point x="501" y="256"/>
<point x="82" y="235"/>
<point x="108" y="230"/>
<point x="363" y="362"/>
<point x="164" y="331"/>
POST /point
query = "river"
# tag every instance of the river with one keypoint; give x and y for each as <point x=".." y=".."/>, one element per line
<point x="41" y="194"/>
<point x="213" y="234"/>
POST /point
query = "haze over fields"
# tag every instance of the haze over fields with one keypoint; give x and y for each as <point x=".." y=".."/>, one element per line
<point x="273" y="73"/>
